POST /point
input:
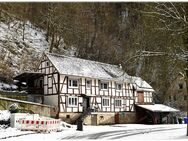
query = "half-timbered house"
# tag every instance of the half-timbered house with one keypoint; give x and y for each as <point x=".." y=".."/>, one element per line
<point x="98" y="92"/>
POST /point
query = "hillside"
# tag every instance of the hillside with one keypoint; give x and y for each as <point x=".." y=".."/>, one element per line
<point x="115" y="33"/>
<point x="20" y="45"/>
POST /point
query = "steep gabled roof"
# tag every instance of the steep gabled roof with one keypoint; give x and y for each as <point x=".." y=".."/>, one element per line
<point x="140" y="84"/>
<point x="85" y="68"/>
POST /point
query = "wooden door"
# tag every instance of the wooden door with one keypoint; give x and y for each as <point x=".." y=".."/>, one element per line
<point x="140" y="97"/>
<point x="116" y="118"/>
<point x="93" y="119"/>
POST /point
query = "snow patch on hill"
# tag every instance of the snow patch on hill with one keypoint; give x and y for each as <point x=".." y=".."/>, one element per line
<point x="23" y="35"/>
<point x="7" y="87"/>
<point x="21" y="42"/>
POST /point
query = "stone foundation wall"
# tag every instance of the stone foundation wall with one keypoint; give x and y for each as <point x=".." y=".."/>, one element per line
<point x="127" y="117"/>
<point x="109" y="118"/>
<point x="100" y="119"/>
<point x="69" y="117"/>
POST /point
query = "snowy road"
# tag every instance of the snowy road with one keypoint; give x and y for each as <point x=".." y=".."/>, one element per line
<point x="113" y="132"/>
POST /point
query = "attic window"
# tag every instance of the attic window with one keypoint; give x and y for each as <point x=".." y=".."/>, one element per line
<point x="180" y="86"/>
<point x="47" y="63"/>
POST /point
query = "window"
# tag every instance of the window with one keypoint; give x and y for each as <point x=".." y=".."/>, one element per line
<point x="88" y="84"/>
<point x="180" y="86"/>
<point x="169" y="98"/>
<point x="73" y="83"/>
<point x="174" y="98"/>
<point x="104" y="86"/>
<point x="185" y="97"/>
<point x="118" y="102"/>
<point x="49" y="81"/>
<point x="119" y="86"/>
<point x="72" y="101"/>
<point x="106" y="102"/>
<point x="47" y="63"/>
<point x="41" y="83"/>
<point x="68" y="116"/>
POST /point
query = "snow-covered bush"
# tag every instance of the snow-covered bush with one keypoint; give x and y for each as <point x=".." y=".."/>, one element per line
<point x="13" y="108"/>
<point x="4" y="119"/>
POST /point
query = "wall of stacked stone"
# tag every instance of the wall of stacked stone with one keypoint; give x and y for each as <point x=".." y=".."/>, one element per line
<point x="25" y="106"/>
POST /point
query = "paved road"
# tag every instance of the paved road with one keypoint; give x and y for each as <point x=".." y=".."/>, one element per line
<point x="116" y="132"/>
<point x="147" y="133"/>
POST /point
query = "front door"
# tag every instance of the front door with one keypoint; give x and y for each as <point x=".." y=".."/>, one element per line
<point x="117" y="118"/>
<point x="140" y="97"/>
<point x="93" y="119"/>
<point x="86" y="103"/>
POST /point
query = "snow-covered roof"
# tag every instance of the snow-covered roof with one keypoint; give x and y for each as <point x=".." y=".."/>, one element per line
<point x="158" y="108"/>
<point x="86" y="68"/>
<point x="140" y="84"/>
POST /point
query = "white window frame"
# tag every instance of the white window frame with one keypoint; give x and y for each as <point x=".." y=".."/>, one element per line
<point x="72" y="102"/>
<point x="117" y="84"/>
<point x="70" y="83"/>
<point x="118" y="104"/>
<point x="88" y="86"/>
<point x="104" y="102"/>
<point x="102" y="85"/>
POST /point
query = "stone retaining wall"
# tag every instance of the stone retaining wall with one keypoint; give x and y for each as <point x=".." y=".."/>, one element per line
<point x="25" y="106"/>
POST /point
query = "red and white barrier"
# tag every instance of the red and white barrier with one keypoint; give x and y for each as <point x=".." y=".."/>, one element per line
<point x="41" y="125"/>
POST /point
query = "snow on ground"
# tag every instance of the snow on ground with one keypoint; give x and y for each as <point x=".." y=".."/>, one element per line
<point x="107" y="132"/>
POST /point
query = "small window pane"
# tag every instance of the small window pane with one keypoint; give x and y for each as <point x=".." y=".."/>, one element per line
<point x="88" y="83"/>
<point x="180" y="86"/>
<point x="69" y="101"/>
<point x="75" y="84"/>
<point x="70" y="83"/>
<point x="75" y="100"/>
